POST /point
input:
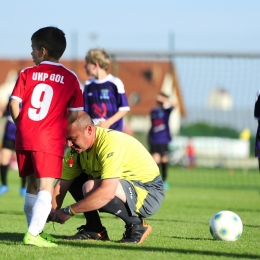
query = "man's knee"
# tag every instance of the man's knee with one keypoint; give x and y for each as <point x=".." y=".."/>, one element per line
<point x="89" y="186"/>
<point x="77" y="186"/>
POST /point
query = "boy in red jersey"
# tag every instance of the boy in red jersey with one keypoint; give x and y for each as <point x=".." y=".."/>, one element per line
<point x="51" y="98"/>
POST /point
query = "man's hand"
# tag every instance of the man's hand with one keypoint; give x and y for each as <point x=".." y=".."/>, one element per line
<point x="60" y="216"/>
<point x="49" y="218"/>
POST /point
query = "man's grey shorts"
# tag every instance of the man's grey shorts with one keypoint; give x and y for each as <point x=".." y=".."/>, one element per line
<point x="137" y="203"/>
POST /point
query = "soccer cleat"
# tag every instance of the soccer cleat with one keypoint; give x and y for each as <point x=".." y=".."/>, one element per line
<point x="23" y="192"/>
<point x="37" y="241"/>
<point x="136" y="233"/>
<point x="166" y="185"/>
<point x="48" y="237"/>
<point x="3" y="189"/>
<point x="83" y="234"/>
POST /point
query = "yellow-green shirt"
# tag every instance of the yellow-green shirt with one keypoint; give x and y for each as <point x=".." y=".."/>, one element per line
<point x="113" y="155"/>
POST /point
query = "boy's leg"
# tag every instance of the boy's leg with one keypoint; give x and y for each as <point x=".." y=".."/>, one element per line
<point x="40" y="213"/>
<point x="23" y="187"/>
<point x="6" y="155"/>
<point x="3" y="188"/>
<point x="30" y="197"/>
<point x="47" y="167"/>
<point x="44" y="165"/>
<point x="42" y="206"/>
<point x="164" y="169"/>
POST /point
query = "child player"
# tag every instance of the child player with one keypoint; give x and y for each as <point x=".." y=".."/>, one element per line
<point x="51" y="97"/>
<point x="159" y="135"/>
<point x="8" y="147"/>
<point x="104" y="95"/>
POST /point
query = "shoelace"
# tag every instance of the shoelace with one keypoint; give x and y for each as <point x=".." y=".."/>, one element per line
<point x="81" y="228"/>
<point x="52" y="224"/>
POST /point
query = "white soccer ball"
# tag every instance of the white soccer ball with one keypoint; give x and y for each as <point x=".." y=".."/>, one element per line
<point x="226" y="225"/>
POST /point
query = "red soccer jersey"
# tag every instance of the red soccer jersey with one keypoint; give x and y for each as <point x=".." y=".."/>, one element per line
<point x="47" y="92"/>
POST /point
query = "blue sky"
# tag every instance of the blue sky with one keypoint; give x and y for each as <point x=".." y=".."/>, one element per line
<point x="183" y="25"/>
<point x="150" y="25"/>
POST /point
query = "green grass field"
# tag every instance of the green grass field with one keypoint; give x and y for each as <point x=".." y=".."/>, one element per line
<point x="180" y="227"/>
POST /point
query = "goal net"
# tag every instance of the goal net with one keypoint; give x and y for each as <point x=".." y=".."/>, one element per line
<point x="217" y="94"/>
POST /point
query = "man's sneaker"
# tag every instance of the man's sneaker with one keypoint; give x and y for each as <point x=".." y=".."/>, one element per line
<point x="3" y="189"/>
<point x="136" y="233"/>
<point x="22" y="192"/>
<point x="48" y="237"/>
<point x="37" y="241"/>
<point x="83" y="234"/>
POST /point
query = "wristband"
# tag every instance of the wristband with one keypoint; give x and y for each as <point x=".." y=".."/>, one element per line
<point x="72" y="211"/>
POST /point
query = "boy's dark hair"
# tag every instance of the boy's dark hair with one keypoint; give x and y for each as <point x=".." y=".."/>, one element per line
<point x="52" y="39"/>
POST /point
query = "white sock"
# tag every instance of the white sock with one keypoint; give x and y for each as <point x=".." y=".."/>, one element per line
<point x="40" y="212"/>
<point x="28" y="205"/>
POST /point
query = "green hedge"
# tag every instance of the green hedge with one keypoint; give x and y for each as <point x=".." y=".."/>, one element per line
<point x="205" y="130"/>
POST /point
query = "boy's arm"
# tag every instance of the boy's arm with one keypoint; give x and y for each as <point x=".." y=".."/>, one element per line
<point x="167" y="102"/>
<point x="111" y="120"/>
<point x="14" y="109"/>
<point x="72" y="116"/>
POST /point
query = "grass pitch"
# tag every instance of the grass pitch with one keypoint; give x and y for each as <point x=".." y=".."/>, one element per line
<point x="180" y="227"/>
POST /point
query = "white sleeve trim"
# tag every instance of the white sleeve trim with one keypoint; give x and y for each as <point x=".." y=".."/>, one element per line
<point x="75" y="108"/>
<point x="17" y="98"/>
<point x="124" y="108"/>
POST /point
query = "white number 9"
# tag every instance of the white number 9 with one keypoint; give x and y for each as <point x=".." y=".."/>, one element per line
<point x="41" y="101"/>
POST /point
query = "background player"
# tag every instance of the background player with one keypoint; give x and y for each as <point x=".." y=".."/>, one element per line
<point x="51" y="97"/>
<point x="7" y="150"/>
<point x="104" y="95"/>
<point x="159" y="134"/>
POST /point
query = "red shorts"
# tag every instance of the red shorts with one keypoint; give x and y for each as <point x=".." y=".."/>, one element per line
<point x="42" y="165"/>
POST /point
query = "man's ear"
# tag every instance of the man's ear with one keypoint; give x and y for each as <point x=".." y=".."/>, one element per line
<point x="88" y="130"/>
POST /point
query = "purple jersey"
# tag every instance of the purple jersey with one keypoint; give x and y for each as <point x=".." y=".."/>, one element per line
<point x="160" y="131"/>
<point x="103" y="98"/>
<point x="10" y="128"/>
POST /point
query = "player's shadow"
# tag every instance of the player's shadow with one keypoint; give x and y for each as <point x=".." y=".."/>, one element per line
<point x="142" y="248"/>
<point x="192" y="221"/>
<point x="12" y="212"/>
<point x="10" y="238"/>
<point x="191" y="238"/>
<point x="5" y="237"/>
